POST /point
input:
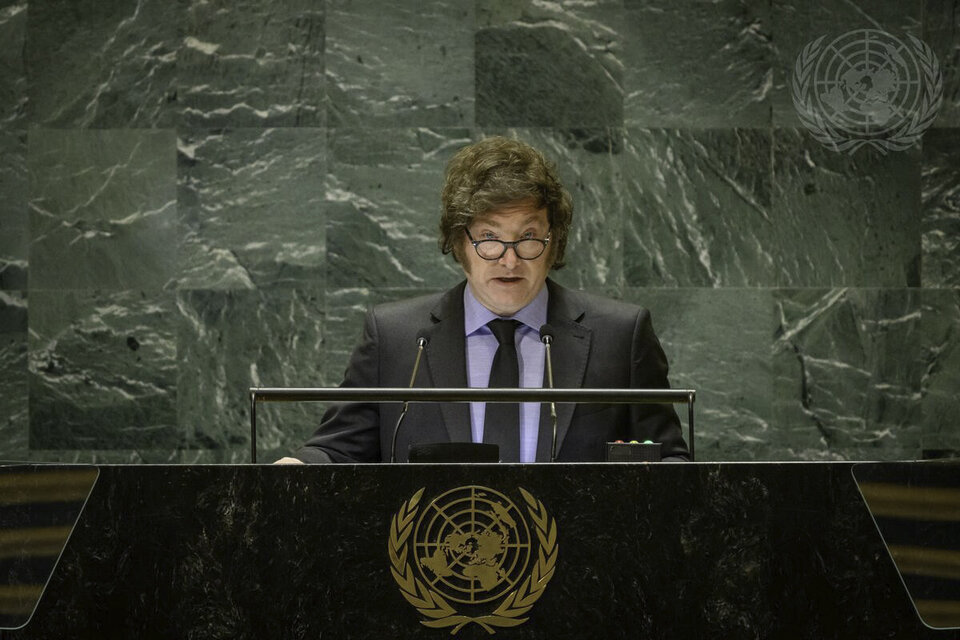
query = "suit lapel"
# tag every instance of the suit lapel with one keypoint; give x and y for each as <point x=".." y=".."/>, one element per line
<point x="570" y="350"/>
<point x="446" y="360"/>
<point x="545" y="433"/>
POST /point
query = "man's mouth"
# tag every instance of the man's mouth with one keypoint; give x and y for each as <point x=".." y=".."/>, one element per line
<point x="508" y="279"/>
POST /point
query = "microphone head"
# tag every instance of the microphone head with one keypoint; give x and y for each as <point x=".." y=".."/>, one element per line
<point x="546" y="334"/>
<point x="422" y="339"/>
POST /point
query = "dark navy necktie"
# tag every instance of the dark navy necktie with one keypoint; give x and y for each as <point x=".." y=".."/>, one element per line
<point x="501" y="425"/>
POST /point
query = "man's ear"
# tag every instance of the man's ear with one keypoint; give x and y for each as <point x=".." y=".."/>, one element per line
<point x="456" y="252"/>
<point x="551" y="256"/>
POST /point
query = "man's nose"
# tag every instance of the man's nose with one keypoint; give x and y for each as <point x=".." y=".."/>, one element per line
<point x="509" y="258"/>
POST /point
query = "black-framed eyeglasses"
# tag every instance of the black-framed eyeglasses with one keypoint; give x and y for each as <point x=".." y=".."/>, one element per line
<point x="525" y="248"/>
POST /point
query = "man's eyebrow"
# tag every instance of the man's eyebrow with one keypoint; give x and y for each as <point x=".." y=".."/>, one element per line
<point x="492" y="222"/>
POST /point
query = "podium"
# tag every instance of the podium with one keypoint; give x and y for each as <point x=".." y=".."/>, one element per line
<point x="726" y="550"/>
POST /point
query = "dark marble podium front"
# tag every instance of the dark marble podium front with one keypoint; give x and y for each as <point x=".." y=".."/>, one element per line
<point x="708" y="550"/>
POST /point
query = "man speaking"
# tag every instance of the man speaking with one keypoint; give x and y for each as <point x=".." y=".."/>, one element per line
<point x="505" y="219"/>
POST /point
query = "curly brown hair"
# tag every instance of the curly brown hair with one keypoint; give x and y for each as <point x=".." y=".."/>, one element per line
<point x="494" y="172"/>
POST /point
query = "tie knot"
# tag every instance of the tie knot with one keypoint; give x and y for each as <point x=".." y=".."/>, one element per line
<point x="504" y="330"/>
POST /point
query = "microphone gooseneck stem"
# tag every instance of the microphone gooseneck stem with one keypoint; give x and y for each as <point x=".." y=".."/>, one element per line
<point x="547" y="340"/>
<point x="396" y="430"/>
<point x="421" y="343"/>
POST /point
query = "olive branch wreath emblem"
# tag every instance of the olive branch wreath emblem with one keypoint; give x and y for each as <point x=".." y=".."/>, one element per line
<point x="833" y="137"/>
<point x="433" y="605"/>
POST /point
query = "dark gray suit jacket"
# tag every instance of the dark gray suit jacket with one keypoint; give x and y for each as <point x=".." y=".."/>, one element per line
<point x="598" y="343"/>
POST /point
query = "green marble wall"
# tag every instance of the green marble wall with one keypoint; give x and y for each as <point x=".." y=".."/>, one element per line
<point x="196" y="197"/>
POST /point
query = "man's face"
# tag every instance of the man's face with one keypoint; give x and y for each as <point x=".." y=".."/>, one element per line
<point x="507" y="285"/>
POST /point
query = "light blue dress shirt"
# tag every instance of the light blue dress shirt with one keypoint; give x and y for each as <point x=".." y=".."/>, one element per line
<point x="482" y="346"/>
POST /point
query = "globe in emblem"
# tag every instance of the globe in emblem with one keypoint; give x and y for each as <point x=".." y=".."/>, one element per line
<point x="868" y="82"/>
<point x="472" y="544"/>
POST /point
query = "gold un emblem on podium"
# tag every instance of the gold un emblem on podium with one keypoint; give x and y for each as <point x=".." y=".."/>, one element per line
<point x="472" y="556"/>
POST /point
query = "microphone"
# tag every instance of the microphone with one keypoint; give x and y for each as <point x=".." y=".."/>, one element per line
<point x="421" y="343"/>
<point x="546" y="337"/>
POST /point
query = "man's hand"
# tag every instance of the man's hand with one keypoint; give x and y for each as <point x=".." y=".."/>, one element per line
<point x="288" y="461"/>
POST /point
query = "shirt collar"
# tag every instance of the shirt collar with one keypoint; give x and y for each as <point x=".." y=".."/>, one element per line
<point x="476" y="316"/>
